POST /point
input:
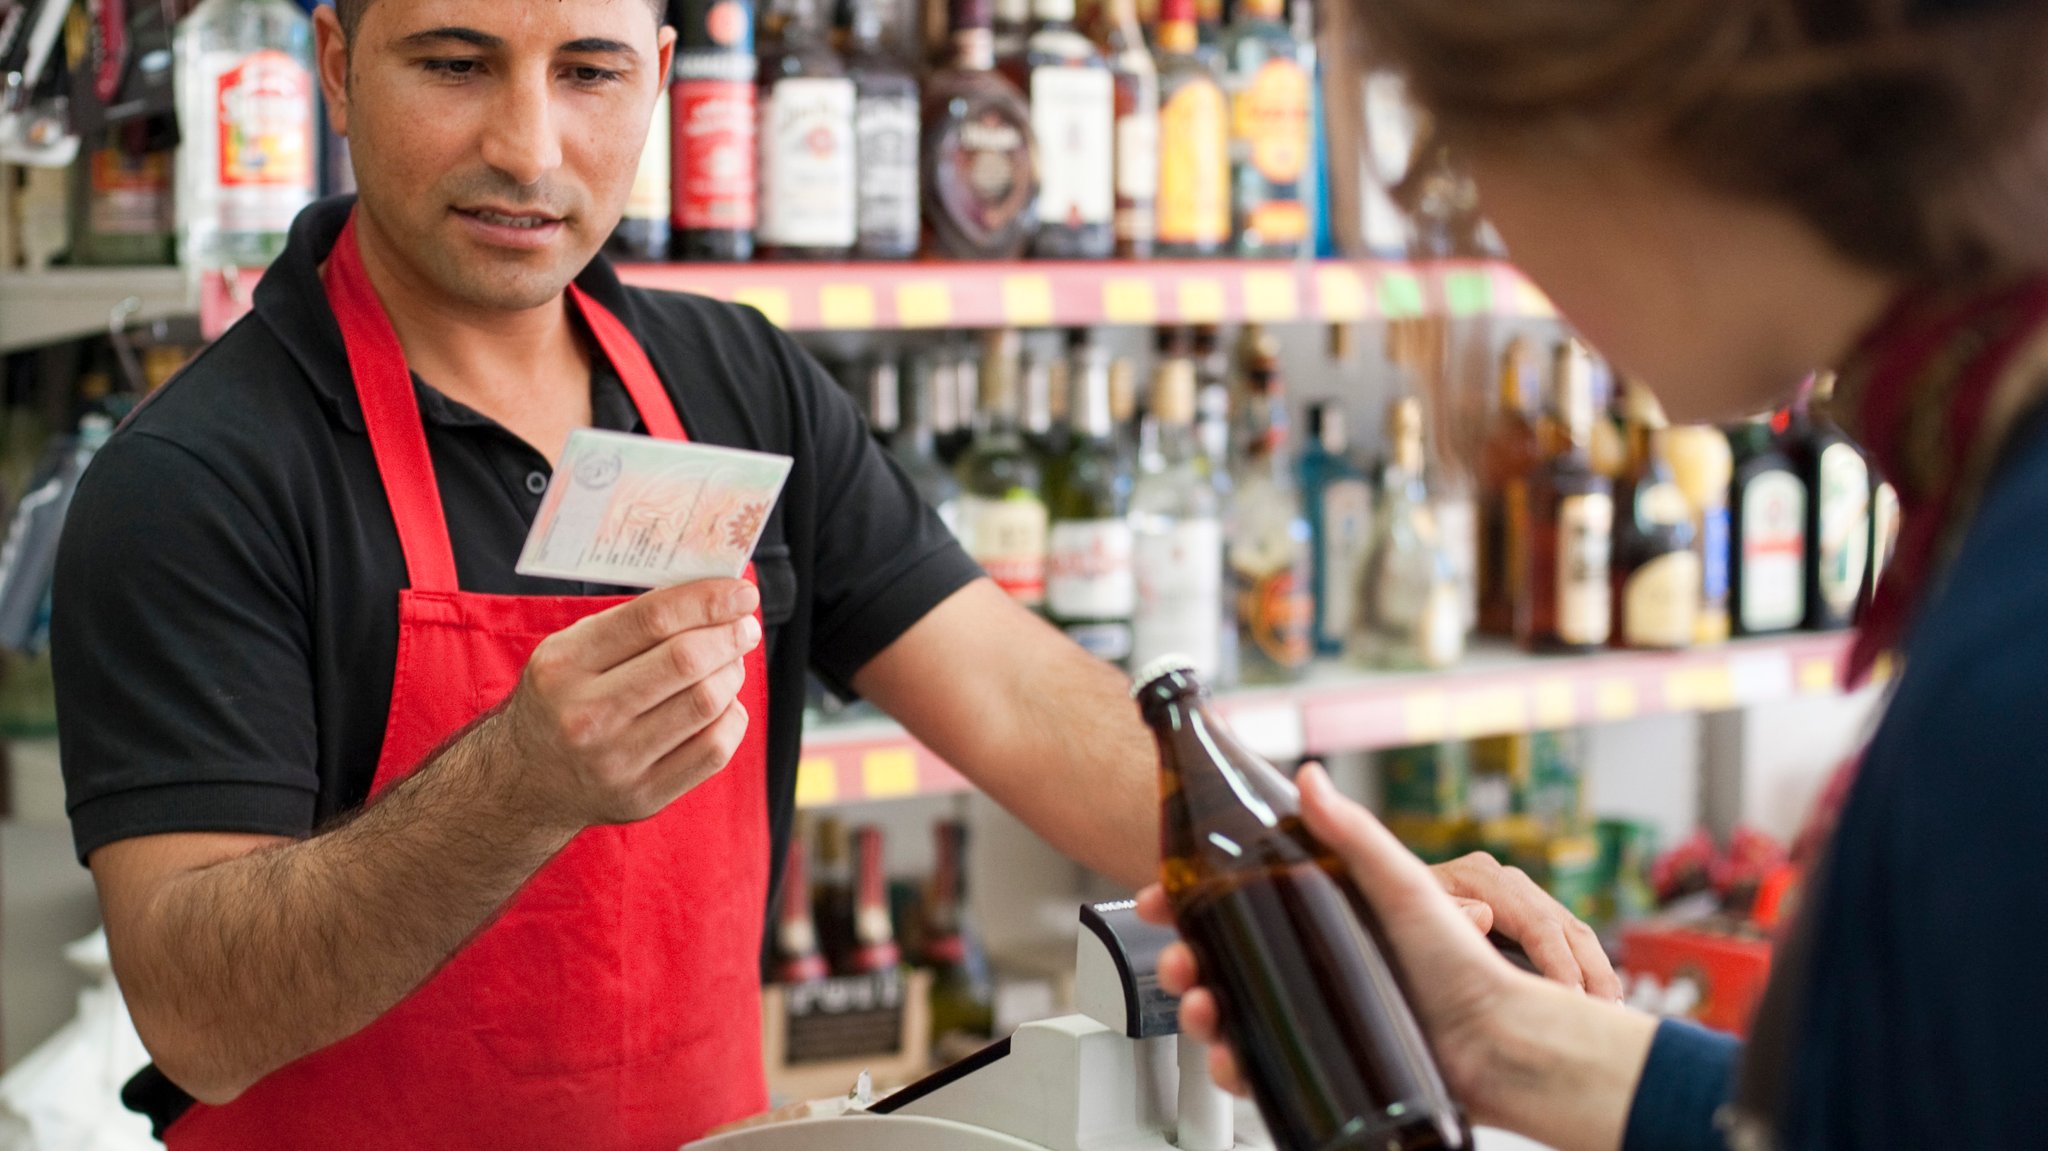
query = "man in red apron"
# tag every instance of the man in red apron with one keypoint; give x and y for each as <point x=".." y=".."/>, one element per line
<point x="398" y="848"/>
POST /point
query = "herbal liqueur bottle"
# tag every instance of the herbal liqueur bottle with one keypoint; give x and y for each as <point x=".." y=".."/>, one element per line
<point x="1313" y="1006"/>
<point x="1838" y="511"/>
<point x="1564" y="602"/>
<point x="1657" y="585"/>
<point x="1767" y="546"/>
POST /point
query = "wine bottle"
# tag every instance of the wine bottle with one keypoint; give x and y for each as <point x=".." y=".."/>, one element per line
<point x="798" y="958"/>
<point x="874" y="932"/>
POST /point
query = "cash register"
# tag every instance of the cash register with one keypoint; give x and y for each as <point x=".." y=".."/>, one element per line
<point x="1114" y="1076"/>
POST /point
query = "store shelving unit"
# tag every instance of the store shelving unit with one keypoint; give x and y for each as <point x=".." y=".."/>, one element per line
<point x="68" y="303"/>
<point x="1339" y="709"/>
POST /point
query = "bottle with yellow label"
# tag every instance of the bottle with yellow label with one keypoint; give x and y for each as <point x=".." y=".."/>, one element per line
<point x="1656" y="569"/>
<point x="1266" y="75"/>
<point x="1563" y="601"/>
<point x="1194" y="142"/>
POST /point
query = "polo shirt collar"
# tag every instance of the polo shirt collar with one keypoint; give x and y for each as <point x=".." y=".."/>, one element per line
<point x="291" y="301"/>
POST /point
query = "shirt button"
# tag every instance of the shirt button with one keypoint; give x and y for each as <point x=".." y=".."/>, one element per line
<point x="536" y="482"/>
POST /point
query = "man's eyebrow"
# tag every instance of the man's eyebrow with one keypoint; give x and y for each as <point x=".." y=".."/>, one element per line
<point x="598" y="46"/>
<point x="469" y="36"/>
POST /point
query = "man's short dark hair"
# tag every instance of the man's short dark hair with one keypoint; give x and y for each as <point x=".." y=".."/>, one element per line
<point x="351" y="12"/>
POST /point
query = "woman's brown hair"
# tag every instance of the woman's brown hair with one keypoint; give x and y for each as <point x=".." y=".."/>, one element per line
<point x="1913" y="134"/>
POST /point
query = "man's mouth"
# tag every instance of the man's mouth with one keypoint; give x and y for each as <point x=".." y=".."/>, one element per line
<point x="523" y="220"/>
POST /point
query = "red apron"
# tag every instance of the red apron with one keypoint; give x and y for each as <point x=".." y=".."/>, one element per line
<point x="614" y="1005"/>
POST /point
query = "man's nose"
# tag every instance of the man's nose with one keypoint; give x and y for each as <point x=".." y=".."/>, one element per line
<point x="521" y="139"/>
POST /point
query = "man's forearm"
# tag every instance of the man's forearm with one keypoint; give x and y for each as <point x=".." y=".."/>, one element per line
<point x="258" y="960"/>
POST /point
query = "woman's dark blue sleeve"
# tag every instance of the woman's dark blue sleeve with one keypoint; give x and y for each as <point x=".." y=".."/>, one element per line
<point x="1686" y="1079"/>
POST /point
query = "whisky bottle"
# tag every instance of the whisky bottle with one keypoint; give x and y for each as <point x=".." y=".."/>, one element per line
<point x="980" y="163"/>
<point x="1073" y="117"/>
<point x="1767" y="547"/>
<point x="1838" y="511"/>
<point x="713" y="151"/>
<point x="1270" y="565"/>
<point x="1313" y="1006"/>
<point x="1002" y="509"/>
<point x="1266" y="75"/>
<point x="962" y="1003"/>
<point x="1703" y="465"/>
<point x="798" y="958"/>
<point x="885" y="130"/>
<point x="1177" y="535"/>
<point x="809" y="190"/>
<point x="1090" y="590"/>
<point x="1194" y="141"/>
<point x="874" y="932"/>
<point x="1510" y="452"/>
<point x="1656" y="567"/>
<point x="1137" y="132"/>
<point x="1340" y="520"/>
<point x="1563" y="600"/>
<point x="1409" y="613"/>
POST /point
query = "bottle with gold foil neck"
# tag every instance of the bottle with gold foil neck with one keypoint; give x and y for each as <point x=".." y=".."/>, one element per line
<point x="1563" y="599"/>
<point x="1314" y="1008"/>
<point x="1409" y="615"/>
<point x="1656" y="569"/>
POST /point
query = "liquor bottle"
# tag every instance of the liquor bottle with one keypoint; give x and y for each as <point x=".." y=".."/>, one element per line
<point x="1657" y="585"/>
<point x="643" y="231"/>
<point x="1884" y="531"/>
<point x="832" y="893"/>
<point x="962" y="1000"/>
<point x="1177" y="535"/>
<point x="1340" y="523"/>
<point x="1011" y="29"/>
<point x="979" y="160"/>
<point x="1002" y="513"/>
<point x="1838" y="511"/>
<point x="248" y="157"/>
<point x="956" y="391"/>
<point x="874" y="933"/>
<point x="914" y="447"/>
<point x="1194" y="141"/>
<point x="1767" y="537"/>
<point x="1073" y="117"/>
<point x="1123" y="415"/>
<point x="1267" y="77"/>
<point x="885" y="129"/>
<point x="809" y="191"/>
<point x="125" y="212"/>
<point x="1315" y="1010"/>
<point x="798" y="958"/>
<point x="1137" y="132"/>
<point x="1270" y="567"/>
<point x="1391" y="126"/>
<point x="1410" y="614"/>
<point x="1090" y="591"/>
<point x="1042" y="373"/>
<point x="713" y="150"/>
<point x="1563" y="600"/>
<point x="1609" y="447"/>
<point x="1510" y="452"/>
<point x="1703" y="466"/>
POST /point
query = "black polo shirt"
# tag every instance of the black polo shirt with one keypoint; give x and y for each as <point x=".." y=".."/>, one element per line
<point x="226" y="595"/>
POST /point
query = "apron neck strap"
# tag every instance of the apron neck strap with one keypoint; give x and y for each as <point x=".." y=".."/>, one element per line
<point x="391" y="413"/>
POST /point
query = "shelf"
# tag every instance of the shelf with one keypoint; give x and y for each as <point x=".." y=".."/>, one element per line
<point x="1041" y="294"/>
<point x="69" y="303"/>
<point x="1337" y="709"/>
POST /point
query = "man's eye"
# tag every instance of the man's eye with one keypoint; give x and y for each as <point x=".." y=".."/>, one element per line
<point x="451" y="67"/>
<point x="591" y="76"/>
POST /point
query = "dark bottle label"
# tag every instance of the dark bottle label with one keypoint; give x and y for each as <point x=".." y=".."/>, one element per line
<point x="984" y="174"/>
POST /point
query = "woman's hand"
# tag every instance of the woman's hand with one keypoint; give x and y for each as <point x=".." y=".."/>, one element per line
<point x="1515" y="1050"/>
<point x="1504" y="899"/>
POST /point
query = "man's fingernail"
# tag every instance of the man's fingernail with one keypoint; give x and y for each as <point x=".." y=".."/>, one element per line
<point x="750" y="632"/>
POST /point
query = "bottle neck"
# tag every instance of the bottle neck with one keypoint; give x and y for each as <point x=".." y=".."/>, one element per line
<point x="1178" y="37"/>
<point x="1090" y="416"/>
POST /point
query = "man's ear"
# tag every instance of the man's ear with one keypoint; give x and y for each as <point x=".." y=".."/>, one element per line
<point x="331" y="61"/>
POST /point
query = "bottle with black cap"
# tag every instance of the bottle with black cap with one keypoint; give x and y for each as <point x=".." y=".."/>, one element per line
<point x="1327" y="1041"/>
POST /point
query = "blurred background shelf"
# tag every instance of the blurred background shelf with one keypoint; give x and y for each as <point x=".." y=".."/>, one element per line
<point x="1339" y="709"/>
<point x="69" y="303"/>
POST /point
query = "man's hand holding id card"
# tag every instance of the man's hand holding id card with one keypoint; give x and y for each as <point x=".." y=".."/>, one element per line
<point x="641" y="512"/>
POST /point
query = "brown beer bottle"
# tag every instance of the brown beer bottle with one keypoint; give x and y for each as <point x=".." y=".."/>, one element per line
<point x="1292" y="952"/>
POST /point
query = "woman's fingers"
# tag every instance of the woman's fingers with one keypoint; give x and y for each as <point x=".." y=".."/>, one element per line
<point x="1478" y="911"/>
<point x="1562" y="947"/>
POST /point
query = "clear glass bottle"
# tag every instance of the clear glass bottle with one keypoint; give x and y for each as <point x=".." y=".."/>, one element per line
<point x="1409" y="613"/>
<point x="979" y="159"/>
<point x="1656" y="561"/>
<point x="1266" y="74"/>
<point x="1340" y="518"/>
<point x="1177" y="536"/>
<point x="248" y="160"/>
<point x="1316" y="1012"/>
<point x="1194" y="141"/>
<point x="809" y="186"/>
<point x="1073" y="117"/>
<point x="1271" y="573"/>
<point x="886" y="131"/>
<point x="1091" y="592"/>
<point x="1003" y="518"/>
